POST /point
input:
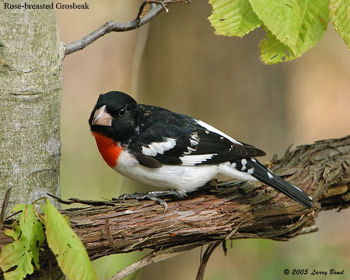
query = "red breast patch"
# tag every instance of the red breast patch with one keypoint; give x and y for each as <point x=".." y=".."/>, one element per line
<point x="109" y="149"/>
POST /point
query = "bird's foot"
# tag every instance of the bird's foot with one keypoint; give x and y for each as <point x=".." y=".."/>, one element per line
<point x="155" y="196"/>
<point x="214" y="183"/>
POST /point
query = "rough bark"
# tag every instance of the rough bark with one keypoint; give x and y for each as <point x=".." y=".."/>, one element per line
<point x="241" y="211"/>
<point x="30" y="96"/>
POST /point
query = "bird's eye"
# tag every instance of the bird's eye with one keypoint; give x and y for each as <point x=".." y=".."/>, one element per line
<point x="122" y="112"/>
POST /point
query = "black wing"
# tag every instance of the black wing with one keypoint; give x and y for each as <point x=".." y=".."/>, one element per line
<point x="170" y="138"/>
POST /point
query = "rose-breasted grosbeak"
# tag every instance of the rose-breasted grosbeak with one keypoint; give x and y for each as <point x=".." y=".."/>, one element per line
<point x="171" y="150"/>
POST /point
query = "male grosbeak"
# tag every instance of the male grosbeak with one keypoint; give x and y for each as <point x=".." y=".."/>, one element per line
<point x="170" y="150"/>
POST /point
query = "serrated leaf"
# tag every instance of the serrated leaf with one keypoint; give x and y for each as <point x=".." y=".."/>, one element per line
<point x="233" y="17"/>
<point x="272" y="50"/>
<point x="340" y="15"/>
<point x="22" y="252"/>
<point x="315" y="19"/>
<point x="66" y="245"/>
<point x="282" y="18"/>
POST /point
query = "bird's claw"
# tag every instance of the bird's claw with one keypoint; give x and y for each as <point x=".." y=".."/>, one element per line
<point x="145" y="196"/>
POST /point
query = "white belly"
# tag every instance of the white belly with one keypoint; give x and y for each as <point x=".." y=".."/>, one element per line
<point x="184" y="178"/>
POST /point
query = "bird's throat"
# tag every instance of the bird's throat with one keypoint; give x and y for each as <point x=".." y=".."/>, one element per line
<point x="109" y="149"/>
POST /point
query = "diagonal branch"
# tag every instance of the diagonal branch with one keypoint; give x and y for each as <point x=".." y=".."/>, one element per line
<point x="242" y="210"/>
<point x="205" y="258"/>
<point x="153" y="257"/>
<point x="112" y="26"/>
<point x="4" y="205"/>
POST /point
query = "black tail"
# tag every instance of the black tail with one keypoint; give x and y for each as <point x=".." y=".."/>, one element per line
<point x="264" y="175"/>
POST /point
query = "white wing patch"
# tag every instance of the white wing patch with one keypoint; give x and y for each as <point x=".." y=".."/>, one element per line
<point x="213" y="129"/>
<point x="155" y="148"/>
<point x="189" y="151"/>
<point x="244" y="163"/>
<point x="194" y="141"/>
<point x="195" y="159"/>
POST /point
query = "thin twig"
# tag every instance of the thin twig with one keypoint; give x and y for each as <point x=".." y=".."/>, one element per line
<point x="12" y="215"/>
<point x="156" y="8"/>
<point x="144" y="8"/>
<point x="228" y="237"/>
<point x="4" y="206"/>
<point x="149" y="259"/>
<point x="165" y="3"/>
<point x="153" y="257"/>
<point x="210" y="249"/>
<point x="81" y="201"/>
<point x="60" y="200"/>
<point x="224" y="247"/>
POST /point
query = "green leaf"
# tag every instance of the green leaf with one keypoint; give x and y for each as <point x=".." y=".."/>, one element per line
<point x="15" y="233"/>
<point x="29" y="236"/>
<point x="340" y="14"/>
<point x="233" y="17"/>
<point x="66" y="245"/>
<point x="315" y="19"/>
<point x="273" y="51"/>
<point x="283" y="18"/>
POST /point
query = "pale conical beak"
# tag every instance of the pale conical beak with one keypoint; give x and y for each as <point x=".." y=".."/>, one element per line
<point x="101" y="117"/>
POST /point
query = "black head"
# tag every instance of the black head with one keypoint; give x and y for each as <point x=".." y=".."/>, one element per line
<point x="115" y="115"/>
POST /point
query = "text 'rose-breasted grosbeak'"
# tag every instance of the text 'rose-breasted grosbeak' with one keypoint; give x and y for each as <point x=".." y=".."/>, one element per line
<point x="170" y="150"/>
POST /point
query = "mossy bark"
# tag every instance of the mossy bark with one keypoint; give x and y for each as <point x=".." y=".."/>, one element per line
<point x="31" y="56"/>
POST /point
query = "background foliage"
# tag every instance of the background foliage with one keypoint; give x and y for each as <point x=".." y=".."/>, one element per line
<point x="292" y="26"/>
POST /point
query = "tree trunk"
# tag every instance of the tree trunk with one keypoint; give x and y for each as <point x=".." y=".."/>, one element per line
<point x="30" y="96"/>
